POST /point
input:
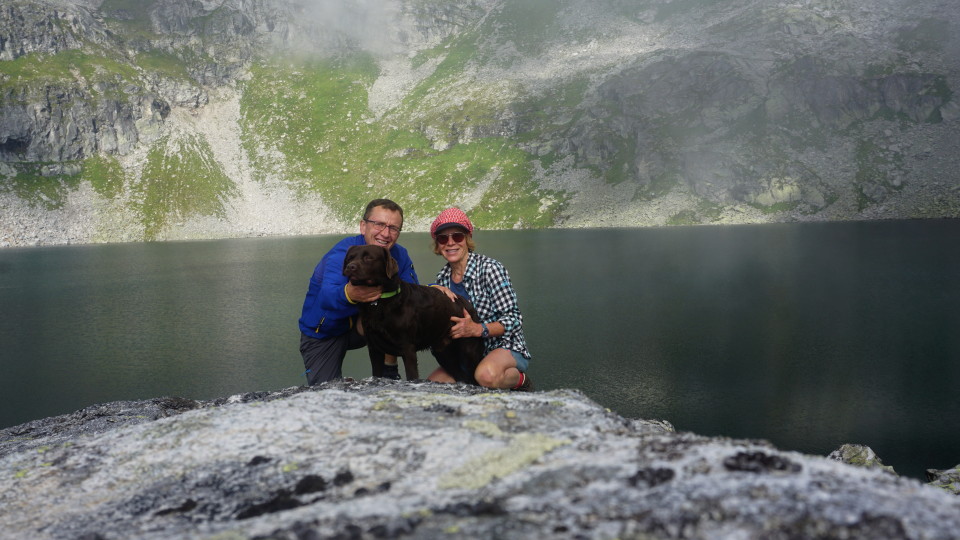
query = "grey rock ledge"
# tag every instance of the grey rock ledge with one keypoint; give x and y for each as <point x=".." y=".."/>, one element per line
<point x="384" y="459"/>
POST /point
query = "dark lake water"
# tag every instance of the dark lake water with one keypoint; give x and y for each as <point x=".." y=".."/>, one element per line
<point x="807" y="335"/>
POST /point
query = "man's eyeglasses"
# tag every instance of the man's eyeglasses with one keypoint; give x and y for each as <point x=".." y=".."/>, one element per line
<point x="379" y="226"/>
<point x="457" y="237"/>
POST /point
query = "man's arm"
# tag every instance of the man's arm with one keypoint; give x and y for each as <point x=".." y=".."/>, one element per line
<point x="337" y="295"/>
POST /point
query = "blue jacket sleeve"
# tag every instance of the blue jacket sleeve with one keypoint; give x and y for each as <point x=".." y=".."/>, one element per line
<point x="332" y="298"/>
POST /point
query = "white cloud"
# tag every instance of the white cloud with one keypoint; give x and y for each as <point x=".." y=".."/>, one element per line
<point x="371" y="24"/>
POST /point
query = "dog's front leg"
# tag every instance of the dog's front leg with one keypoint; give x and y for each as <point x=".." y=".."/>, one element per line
<point x="409" y="354"/>
<point x="376" y="360"/>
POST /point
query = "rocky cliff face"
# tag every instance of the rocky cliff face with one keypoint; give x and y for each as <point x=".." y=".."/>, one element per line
<point x="572" y="113"/>
<point x="375" y="459"/>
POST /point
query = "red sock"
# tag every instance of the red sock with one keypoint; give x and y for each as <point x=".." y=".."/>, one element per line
<point x="522" y="379"/>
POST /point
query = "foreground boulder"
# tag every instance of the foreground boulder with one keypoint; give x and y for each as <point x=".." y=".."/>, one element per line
<point x="384" y="459"/>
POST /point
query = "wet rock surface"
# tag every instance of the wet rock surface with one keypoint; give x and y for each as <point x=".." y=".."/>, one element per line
<point x="385" y="459"/>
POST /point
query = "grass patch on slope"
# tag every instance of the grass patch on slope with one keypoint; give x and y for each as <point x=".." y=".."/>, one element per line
<point x="326" y="145"/>
<point x="456" y="52"/>
<point x="105" y="174"/>
<point x="304" y="122"/>
<point x="180" y="180"/>
<point x="49" y="192"/>
<point x="164" y="64"/>
<point x="69" y="65"/>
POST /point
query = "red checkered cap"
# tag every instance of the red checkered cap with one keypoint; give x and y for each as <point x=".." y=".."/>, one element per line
<point x="449" y="217"/>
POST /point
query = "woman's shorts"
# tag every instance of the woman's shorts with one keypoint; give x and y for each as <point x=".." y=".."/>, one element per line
<point x="522" y="363"/>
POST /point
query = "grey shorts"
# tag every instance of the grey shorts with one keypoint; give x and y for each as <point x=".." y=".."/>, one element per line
<point x="323" y="358"/>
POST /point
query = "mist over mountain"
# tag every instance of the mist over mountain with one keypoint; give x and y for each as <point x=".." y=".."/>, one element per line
<point x="125" y="120"/>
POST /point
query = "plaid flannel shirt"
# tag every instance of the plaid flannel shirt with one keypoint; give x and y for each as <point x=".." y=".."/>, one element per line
<point x="492" y="294"/>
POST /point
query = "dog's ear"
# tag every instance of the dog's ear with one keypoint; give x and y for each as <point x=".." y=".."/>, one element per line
<point x="392" y="268"/>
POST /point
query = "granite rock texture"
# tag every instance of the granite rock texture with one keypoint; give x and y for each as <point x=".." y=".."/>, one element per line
<point x="386" y="459"/>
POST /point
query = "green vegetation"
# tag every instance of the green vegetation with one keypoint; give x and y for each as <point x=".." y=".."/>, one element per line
<point x="315" y="143"/>
<point x="621" y="163"/>
<point x="105" y="175"/>
<point x="684" y="217"/>
<point x="456" y="53"/>
<point x="324" y="145"/>
<point x="49" y="191"/>
<point x="66" y="66"/>
<point x="708" y="210"/>
<point x="164" y="64"/>
<point x="181" y="179"/>
<point x="305" y="121"/>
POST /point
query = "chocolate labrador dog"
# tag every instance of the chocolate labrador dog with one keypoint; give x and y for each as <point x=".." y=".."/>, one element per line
<point x="408" y="318"/>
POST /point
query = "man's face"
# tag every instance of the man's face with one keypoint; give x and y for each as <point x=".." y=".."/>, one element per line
<point x="382" y="227"/>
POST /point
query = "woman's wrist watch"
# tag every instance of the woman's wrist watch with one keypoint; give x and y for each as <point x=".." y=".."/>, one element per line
<point x="486" y="331"/>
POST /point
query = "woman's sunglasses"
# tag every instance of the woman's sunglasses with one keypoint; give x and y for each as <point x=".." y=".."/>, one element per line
<point x="457" y="237"/>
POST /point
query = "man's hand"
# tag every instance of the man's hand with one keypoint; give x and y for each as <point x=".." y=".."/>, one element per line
<point x="465" y="327"/>
<point x="363" y="293"/>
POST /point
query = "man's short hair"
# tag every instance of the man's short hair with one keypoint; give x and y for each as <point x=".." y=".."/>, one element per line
<point x="385" y="203"/>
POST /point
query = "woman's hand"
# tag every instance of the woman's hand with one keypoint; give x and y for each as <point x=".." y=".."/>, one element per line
<point x="450" y="294"/>
<point x="465" y="327"/>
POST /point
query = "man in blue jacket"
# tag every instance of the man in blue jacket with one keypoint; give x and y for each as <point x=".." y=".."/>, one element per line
<point x="328" y="324"/>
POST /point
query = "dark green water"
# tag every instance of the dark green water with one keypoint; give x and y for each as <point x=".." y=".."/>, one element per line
<point x="808" y="335"/>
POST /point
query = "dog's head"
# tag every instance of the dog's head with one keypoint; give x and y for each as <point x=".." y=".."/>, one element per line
<point x="370" y="266"/>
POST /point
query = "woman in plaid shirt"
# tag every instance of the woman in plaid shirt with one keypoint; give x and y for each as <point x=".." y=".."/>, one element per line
<point x="486" y="283"/>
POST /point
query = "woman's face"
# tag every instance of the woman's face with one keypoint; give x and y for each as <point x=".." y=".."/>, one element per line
<point x="452" y="242"/>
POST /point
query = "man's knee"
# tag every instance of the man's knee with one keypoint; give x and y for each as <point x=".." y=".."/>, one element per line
<point x="322" y="359"/>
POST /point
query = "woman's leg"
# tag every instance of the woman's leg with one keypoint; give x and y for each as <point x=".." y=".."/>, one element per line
<point x="440" y="375"/>
<point x="498" y="370"/>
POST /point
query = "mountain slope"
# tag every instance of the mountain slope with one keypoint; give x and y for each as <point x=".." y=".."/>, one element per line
<point x="166" y="119"/>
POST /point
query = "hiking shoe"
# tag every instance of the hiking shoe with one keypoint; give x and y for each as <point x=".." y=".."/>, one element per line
<point x="526" y="384"/>
<point x="391" y="372"/>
